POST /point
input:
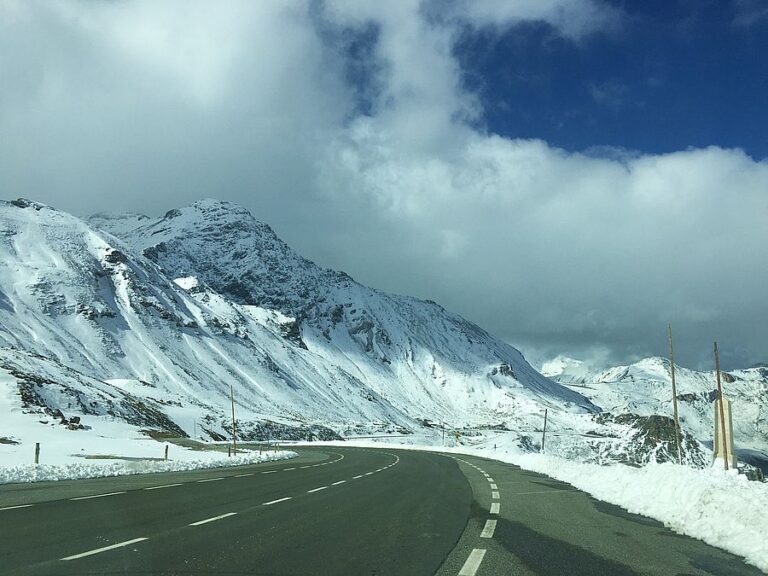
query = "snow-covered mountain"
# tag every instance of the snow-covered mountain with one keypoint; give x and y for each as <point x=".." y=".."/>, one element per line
<point x="645" y="388"/>
<point x="166" y="314"/>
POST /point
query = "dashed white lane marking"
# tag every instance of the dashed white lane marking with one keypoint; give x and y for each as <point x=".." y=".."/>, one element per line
<point x="244" y="475"/>
<point x="286" y="469"/>
<point x="494" y="487"/>
<point x="307" y="466"/>
<point x="356" y="477"/>
<point x="213" y="519"/>
<point x="495" y="508"/>
<point x="97" y="496"/>
<point x="489" y="529"/>
<point x="490" y="479"/>
<point x="316" y="489"/>
<point x="473" y="562"/>
<point x="104" y="549"/>
<point x="495" y="495"/>
<point x="367" y="473"/>
<point x="339" y="482"/>
<point x="211" y="479"/>
<point x="276" y="501"/>
<point x="269" y="472"/>
<point x="19" y="506"/>
<point x="163" y="486"/>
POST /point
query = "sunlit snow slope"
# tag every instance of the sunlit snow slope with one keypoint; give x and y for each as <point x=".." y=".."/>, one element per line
<point x="180" y="308"/>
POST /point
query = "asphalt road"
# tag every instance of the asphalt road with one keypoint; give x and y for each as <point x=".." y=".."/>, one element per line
<point x="338" y="511"/>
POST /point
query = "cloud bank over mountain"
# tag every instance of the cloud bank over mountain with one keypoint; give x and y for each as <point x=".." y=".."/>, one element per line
<point x="350" y="128"/>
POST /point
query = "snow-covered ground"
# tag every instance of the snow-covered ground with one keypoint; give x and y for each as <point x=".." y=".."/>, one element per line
<point x="723" y="509"/>
<point x="109" y="446"/>
<point x="184" y="460"/>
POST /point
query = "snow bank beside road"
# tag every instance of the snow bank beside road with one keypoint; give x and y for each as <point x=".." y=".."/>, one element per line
<point x="722" y="509"/>
<point x="91" y="469"/>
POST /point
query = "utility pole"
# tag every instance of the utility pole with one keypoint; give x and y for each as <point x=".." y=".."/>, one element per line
<point x="443" y="427"/>
<point x="234" y="422"/>
<point x="544" y="431"/>
<point x="674" y="397"/>
<point x="722" y="409"/>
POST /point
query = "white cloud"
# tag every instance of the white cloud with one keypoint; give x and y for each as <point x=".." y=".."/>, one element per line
<point x="147" y="105"/>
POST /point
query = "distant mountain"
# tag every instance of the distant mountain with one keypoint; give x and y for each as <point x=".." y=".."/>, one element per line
<point x="168" y="313"/>
<point x="645" y="388"/>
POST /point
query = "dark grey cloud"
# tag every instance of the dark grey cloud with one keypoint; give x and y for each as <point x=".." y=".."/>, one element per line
<point x="144" y="106"/>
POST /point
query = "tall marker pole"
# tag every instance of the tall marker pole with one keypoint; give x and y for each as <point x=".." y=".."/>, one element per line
<point x="234" y="424"/>
<point x="674" y="397"/>
<point x="722" y="409"/>
<point x="544" y="431"/>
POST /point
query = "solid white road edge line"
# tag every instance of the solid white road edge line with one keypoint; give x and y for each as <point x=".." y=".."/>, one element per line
<point x="489" y="529"/>
<point x="163" y="486"/>
<point x="19" y="506"/>
<point x="276" y="501"/>
<point x="495" y="508"/>
<point x="97" y="496"/>
<point x="104" y="549"/>
<point x="212" y="519"/>
<point x="473" y="562"/>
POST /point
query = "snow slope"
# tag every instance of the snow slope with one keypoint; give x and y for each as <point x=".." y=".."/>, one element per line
<point x="154" y="328"/>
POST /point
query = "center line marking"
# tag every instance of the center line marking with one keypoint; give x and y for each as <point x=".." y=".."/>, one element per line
<point x="97" y="496"/>
<point x="212" y="519"/>
<point x="269" y="472"/>
<point x="305" y="466"/>
<point x="495" y="508"/>
<point x="163" y="486"/>
<point x="473" y="562"/>
<point x="104" y="549"/>
<point x="244" y="475"/>
<point x="211" y="479"/>
<point x="19" y="506"/>
<point x="494" y="487"/>
<point x="339" y="482"/>
<point x="367" y="473"/>
<point x="489" y="529"/>
<point x="490" y="479"/>
<point x="286" y="469"/>
<point x="316" y="489"/>
<point x="495" y="495"/>
<point x="356" y="477"/>
<point x="276" y="501"/>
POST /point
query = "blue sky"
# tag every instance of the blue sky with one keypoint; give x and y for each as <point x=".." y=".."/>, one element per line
<point x="673" y="74"/>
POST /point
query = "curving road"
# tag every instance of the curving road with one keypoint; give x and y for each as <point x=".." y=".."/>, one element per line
<point x="338" y="511"/>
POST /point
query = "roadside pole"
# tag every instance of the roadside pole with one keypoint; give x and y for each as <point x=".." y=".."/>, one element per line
<point x="722" y="409"/>
<point x="234" y="422"/>
<point x="544" y="431"/>
<point x="674" y="397"/>
<point x="37" y="452"/>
